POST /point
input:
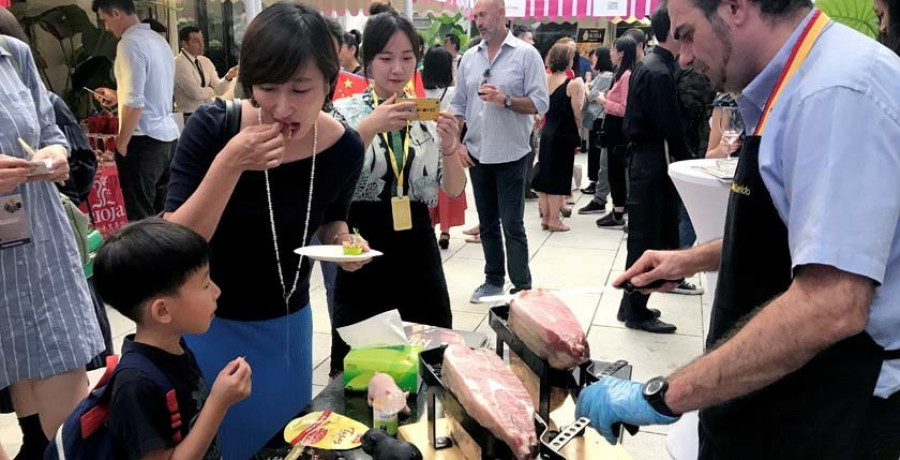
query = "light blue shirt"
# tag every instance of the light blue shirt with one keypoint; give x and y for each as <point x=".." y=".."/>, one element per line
<point x="145" y="73"/>
<point x="47" y="321"/>
<point x="830" y="157"/>
<point x="497" y="134"/>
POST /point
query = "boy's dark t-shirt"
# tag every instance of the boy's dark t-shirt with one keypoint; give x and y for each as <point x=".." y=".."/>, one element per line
<point x="140" y="421"/>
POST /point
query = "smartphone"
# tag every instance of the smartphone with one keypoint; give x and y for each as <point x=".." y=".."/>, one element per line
<point x="426" y="109"/>
<point x="96" y="94"/>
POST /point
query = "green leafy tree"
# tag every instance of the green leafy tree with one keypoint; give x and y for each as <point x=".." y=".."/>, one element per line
<point x="858" y="14"/>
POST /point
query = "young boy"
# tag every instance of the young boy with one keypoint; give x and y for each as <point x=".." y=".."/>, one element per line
<point x="157" y="274"/>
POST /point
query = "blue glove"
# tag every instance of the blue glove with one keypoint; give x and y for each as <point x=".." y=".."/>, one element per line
<point x="614" y="400"/>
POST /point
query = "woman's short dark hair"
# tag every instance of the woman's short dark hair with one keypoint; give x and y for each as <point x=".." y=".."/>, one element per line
<point x="279" y="41"/>
<point x="604" y="62"/>
<point x="379" y="30"/>
<point x="10" y="26"/>
<point x="147" y="259"/>
<point x="437" y="68"/>
<point x="559" y="58"/>
<point x="628" y="48"/>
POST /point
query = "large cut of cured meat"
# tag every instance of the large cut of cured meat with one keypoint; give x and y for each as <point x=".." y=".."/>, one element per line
<point x="491" y="395"/>
<point x="549" y="329"/>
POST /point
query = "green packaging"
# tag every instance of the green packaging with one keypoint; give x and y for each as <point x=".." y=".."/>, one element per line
<point x="401" y="362"/>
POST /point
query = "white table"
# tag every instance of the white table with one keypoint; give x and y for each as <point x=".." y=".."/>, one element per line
<point x="706" y="199"/>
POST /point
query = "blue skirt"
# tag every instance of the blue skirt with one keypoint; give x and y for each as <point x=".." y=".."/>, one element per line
<point x="279" y="352"/>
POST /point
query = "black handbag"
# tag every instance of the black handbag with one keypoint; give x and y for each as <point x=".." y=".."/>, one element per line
<point x="600" y="127"/>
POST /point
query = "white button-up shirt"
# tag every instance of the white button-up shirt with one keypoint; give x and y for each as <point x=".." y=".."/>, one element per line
<point x="189" y="93"/>
<point x="145" y="72"/>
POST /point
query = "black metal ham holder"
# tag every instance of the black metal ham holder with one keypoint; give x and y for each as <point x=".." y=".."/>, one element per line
<point x="549" y="442"/>
<point x="573" y="379"/>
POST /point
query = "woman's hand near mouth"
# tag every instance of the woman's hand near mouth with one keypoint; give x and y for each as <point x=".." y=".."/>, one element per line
<point x="256" y="148"/>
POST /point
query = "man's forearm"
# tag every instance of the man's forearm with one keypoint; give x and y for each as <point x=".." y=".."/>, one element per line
<point x="822" y="307"/>
<point x="708" y="256"/>
<point x="523" y="105"/>
<point x="128" y="122"/>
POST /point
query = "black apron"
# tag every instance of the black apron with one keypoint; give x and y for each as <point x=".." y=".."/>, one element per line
<point x="818" y="411"/>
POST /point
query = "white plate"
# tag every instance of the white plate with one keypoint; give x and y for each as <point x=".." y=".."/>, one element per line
<point x="334" y="253"/>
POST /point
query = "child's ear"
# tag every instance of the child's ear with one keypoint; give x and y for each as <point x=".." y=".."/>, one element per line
<point x="159" y="310"/>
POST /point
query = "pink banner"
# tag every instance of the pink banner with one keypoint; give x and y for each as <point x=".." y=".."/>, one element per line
<point x="560" y="9"/>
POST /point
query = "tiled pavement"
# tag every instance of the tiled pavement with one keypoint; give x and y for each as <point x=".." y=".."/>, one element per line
<point x="585" y="257"/>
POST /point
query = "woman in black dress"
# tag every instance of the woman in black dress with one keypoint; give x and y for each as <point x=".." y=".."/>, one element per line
<point x="405" y="163"/>
<point x="258" y="179"/>
<point x="559" y="138"/>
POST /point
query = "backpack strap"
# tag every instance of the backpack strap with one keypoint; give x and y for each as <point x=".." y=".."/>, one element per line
<point x="142" y="363"/>
<point x="4" y="43"/>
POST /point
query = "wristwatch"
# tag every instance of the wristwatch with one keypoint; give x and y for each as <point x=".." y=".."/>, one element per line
<point x="655" y="394"/>
<point x="507" y="102"/>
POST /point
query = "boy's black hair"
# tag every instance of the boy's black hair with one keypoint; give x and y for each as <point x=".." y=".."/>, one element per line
<point x="145" y="260"/>
<point x="125" y="6"/>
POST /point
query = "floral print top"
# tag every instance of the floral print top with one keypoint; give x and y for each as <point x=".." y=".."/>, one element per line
<point x="423" y="171"/>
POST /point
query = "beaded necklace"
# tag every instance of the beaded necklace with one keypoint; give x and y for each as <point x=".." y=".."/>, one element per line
<point x="312" y="175"/>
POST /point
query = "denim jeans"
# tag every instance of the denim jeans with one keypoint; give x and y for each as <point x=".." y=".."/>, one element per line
<point x="500" y="199"/>
<point x="602" y="189"/>
<point x="329" y="272"/>
<point x="686" y="235"/>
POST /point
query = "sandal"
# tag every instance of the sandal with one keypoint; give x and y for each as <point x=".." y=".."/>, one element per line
<point x="561" y="227"/>
<point x="444" y="242"/>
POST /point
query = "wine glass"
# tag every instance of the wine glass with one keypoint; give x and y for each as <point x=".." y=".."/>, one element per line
<point x="731" y="125"/>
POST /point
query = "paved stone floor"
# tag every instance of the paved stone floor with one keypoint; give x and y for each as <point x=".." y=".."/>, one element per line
<point x="585" y="257"/>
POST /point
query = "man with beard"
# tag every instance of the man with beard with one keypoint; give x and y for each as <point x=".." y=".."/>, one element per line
<point x="500" y="85"/>
<point x="803" y="357"/>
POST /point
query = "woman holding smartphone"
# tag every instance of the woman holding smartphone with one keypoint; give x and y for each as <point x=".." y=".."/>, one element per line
<point x="405" y="164"/>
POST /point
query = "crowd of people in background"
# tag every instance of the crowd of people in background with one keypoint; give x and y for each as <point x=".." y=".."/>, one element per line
<point x="249" y="180"/>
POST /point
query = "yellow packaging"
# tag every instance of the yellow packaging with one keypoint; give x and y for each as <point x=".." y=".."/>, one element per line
<point x="325" y="430"/>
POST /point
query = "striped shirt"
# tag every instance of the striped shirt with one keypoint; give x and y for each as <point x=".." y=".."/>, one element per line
<point x="497" y="134"/>
<point x="47" y="322"/>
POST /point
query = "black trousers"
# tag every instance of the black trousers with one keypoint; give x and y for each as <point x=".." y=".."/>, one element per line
<point x="144" y="176"/>
<point x="617" y="157"/>
<point x="652" y="216"/>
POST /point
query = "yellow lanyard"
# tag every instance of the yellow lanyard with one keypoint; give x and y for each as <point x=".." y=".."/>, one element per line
<point x="398" y="169"/>
<point x="805" y="42"/>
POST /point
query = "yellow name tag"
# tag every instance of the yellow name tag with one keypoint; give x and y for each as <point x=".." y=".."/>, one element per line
<point x="402" y="213"/>
<point x="427" y="109"/>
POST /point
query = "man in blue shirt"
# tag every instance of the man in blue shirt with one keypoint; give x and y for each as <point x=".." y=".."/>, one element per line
<point x="500" y="85"/>
<point x="803" y="357"/>
<point x="145" y="74"/>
